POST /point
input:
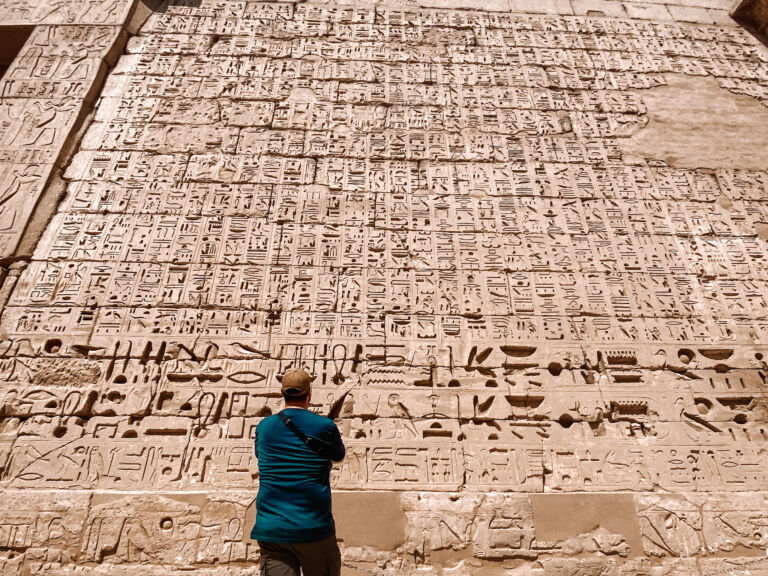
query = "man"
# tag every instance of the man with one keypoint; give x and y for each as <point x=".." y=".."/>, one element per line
<point x="294" y="525"/>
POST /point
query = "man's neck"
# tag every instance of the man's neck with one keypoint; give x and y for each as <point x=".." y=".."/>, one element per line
<point x="302" y="406"/>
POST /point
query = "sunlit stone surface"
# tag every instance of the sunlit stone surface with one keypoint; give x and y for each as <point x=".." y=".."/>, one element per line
<point x="522" y="247"/>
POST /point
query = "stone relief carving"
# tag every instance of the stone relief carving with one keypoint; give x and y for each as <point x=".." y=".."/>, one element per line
<point x="436" y="214"/>
<point x="99" y="12"/>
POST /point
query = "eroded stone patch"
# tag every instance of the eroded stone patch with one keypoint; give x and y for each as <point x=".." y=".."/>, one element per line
<point x="371" y="519"/>
<point x="693" y="123"/>
<point x="559" y="517"/>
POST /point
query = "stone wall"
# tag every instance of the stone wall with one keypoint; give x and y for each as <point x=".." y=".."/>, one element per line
<point x="523" y="254"/>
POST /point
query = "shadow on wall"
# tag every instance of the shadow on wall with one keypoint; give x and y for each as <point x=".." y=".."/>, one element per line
<point x="12" y="40"/>
<point x="162" y="5"/>
<point x="753" y="15"/>
<point x="146" y="7"/>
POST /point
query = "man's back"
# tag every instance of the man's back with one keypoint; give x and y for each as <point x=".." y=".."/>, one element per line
<point x="294" y="501"/>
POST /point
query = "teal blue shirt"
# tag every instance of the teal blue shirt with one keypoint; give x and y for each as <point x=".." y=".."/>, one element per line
<point x="294" y="500"/>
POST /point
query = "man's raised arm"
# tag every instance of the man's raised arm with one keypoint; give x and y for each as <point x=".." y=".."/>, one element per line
<point x="336" y="450"/>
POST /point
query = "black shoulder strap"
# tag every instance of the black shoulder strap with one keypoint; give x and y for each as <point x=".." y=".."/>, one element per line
<point x="308" y="442"/>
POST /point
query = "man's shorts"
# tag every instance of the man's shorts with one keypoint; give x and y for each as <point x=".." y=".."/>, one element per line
<point x="321" y="558"/>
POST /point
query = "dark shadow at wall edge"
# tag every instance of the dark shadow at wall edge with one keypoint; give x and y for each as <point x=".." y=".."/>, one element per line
<point x="753" y="15"/>
<point x="162" y="5"/>
<point x="141" y="12"/>
<point x="12" y="40"/>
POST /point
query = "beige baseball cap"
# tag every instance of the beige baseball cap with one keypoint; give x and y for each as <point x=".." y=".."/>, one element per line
<point x="296" y="382"/>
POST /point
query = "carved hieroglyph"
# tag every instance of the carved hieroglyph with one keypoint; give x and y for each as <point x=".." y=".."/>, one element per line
<point x="44" y="97"/>
<point x="542" y="326"/>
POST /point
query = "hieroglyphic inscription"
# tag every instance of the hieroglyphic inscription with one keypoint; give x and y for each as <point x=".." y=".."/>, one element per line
<point x="430" y="210"/>
<point x="43" y="97"/>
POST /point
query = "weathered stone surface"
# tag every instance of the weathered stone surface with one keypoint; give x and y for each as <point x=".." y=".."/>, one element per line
<point x="694" y="123"/>
<point x="523" y="253"/>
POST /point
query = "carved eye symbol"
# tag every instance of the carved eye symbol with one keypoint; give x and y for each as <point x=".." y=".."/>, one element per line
<point x="30" y="476"/>
<point x="246" y="377"/>
<point x="39" y="395"/>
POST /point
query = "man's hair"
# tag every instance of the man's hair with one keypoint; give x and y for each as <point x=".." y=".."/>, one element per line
<point x="294" y="397"/>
